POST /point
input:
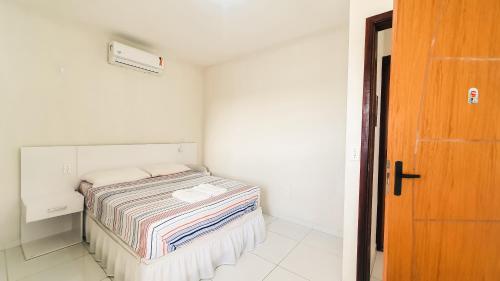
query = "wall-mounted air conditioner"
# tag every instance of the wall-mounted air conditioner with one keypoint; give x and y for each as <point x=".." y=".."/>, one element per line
<point x="126" y="56"/>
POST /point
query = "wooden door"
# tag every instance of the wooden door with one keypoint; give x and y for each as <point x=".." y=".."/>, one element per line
<point x="445" y="225"/>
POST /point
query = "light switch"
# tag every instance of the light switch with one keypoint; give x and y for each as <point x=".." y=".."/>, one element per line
<point x="355" y="156"/>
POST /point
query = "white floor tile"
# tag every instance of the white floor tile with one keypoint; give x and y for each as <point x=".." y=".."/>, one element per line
<point x="275" y="248"/>
<point x="280" y="274"/>
<point x="249" y="268"/>
<point x="269" y="219"/>
<point x="378" y="268"/>
<point x="314" y="264"/>
<point x="3" y="267"/>
<point x="289" y="229"/>
<point x="81" y="269"/>
<point x="320" y="240"/>
<point x="18" y="268"/>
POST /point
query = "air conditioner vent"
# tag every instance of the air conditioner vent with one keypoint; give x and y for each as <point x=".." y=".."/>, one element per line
<point x="129" y="57"/>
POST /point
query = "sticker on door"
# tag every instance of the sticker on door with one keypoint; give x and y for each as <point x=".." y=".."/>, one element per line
<point x="473" y="97"/>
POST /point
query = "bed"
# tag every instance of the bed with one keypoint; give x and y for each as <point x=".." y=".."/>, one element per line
<point x="139" y="231"/>
<point x="136" y="229"/>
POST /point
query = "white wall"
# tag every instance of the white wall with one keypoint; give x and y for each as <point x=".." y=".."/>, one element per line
<point x="359" y="10"/>
<point x="277" y="119"/>
<point x="91" y="102"/>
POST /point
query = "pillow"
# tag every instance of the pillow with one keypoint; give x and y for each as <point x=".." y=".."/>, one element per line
<point x="84" y="187"/>
<point x="199" y="168"/>
<point x="163" y="169"/>
<point x="112" y="176"/>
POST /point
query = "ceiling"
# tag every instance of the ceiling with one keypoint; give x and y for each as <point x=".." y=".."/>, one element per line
<point x="204" y="32"/>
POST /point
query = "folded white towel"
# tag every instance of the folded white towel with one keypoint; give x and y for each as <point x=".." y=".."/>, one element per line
<point x="190" y="195"/>
<point x="210" y="189"/>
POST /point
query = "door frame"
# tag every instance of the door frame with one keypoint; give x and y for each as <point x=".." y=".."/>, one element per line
<point x="374" y="24"/>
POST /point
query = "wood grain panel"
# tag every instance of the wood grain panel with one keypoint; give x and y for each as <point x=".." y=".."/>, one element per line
<point x="412" y="38"/>
<point x="447" y="113"/>
<point x="457" y="251"/>
<point x="460" y="181"/>
<point x="469" y="28"/>
<point x="446" y="225"/>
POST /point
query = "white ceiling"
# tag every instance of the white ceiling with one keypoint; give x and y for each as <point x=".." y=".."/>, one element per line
<point x="202" y="31"/>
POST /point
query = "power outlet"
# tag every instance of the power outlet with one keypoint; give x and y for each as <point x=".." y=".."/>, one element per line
<point x="289" y="192"/>
<point x="67" y="169"/>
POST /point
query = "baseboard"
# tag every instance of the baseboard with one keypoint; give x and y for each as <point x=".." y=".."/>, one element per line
<point x="336" y="233"/>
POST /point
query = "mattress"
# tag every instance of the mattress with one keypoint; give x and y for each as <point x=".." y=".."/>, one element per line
<point x="145" y="216"/>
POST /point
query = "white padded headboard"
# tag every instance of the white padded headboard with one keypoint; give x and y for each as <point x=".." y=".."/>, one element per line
<point x="53" y="169"/>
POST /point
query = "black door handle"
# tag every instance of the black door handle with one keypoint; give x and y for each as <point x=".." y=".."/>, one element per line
<point x="399" y="176"/>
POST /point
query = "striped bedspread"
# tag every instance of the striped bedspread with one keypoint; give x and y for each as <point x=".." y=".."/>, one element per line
<point x="146" y="217"/>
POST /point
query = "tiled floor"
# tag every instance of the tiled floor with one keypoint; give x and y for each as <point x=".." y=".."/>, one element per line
<point x="378" y="267"/>
<point x="290" y="253"/>
<point x="70" y="264"/>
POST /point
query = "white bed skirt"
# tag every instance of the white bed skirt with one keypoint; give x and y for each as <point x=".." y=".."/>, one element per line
<point x="195" y="261"/>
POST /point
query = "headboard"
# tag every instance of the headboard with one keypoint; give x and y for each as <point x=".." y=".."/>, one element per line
<point x="52" y="169"/>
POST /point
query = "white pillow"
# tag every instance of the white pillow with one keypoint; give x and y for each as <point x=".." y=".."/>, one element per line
<point x="112" y="176"/>
<point x="163" y="169"/>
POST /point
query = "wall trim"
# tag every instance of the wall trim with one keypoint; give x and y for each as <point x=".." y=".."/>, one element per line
<point x="373" y="26"/>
